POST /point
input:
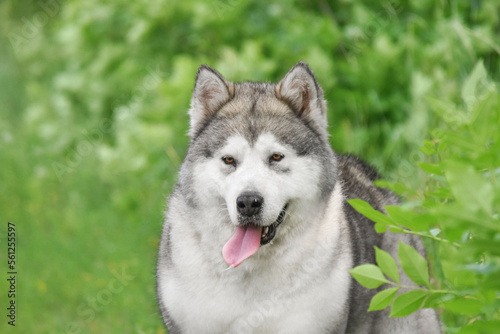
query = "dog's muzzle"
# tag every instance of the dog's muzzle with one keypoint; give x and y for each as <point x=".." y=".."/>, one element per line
<point x="249" y="205"/>
<point x="250" y="233"/>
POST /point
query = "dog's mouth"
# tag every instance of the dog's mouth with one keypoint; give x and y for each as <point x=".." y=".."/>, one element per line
<point x="248" y="238"/>
<point x="269" y="232"/>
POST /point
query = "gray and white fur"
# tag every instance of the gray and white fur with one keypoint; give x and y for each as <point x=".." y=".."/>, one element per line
<point x="269" y="142"/>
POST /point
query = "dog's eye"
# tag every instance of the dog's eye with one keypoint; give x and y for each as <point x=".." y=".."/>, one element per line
<point x="276" y="157"/>
<point x="229" y="160"/>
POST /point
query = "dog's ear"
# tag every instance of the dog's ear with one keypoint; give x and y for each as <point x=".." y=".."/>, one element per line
<point x="300" y="90"/>
<point x="211" y="92"/>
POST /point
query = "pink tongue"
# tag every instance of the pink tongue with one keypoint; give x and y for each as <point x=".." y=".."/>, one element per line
<point x="244" y="243"/>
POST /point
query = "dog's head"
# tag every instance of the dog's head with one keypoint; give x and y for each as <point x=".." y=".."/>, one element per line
<point x="258" y="153"/>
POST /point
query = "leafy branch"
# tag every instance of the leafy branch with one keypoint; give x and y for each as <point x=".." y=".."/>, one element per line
<point x="457" y="213"/>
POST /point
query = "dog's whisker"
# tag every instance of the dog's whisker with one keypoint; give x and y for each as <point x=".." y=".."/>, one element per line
<point x="230" y="267"/>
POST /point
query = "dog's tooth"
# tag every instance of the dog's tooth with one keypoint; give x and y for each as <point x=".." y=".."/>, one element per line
<point x="265" y="230"/>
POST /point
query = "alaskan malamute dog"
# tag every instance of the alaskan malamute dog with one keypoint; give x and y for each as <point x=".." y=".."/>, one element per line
<point x="258" y="236"/>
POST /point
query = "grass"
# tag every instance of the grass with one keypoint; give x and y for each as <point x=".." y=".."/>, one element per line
<point x="73" y="236"/>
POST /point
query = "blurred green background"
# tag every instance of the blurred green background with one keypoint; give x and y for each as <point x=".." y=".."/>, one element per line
<point x="93" y="122"/>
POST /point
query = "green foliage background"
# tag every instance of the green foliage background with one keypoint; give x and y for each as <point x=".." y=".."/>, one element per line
<point x="93" y="101"/>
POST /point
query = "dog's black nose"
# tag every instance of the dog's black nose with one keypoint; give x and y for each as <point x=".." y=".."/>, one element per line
<point x="249" y="203"/>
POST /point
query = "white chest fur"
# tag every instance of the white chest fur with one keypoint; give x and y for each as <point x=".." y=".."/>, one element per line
<point x="302" y="287"/>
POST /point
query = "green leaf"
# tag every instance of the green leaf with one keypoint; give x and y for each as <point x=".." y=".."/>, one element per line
<point x="447" y="111"/>
<point x="440" y="192"/>
<point x="469" y="188"/>
<point x="430" y="168"/>
<point x="472" y="85"/>
<point x="481" y="326"/>
<point x="410" y="219"/>
<point x="414" y="264"/>
<point x="455" y="213"/>
<point x="396" y="187"/>
<point x="380" y="228"/>
<point x="382" y="299"/>
<point x="462" y="305"/>
<point x="482" y="245"/>
<point x="369" y="276"/>
<point x="429" y="147"/>
<point x="387" y="264"/>
<point x="453" y="271"/>
<point x="396" y="229"/>
<point x="459" y="141"/>
<point x="367" y="210"/>
<point x="407" y="303"/>
<point x="458" y="278"/>
<point x="436" y="298"/>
